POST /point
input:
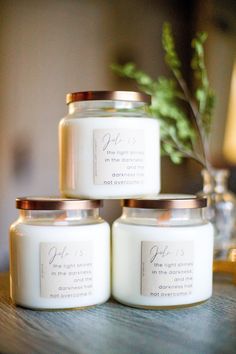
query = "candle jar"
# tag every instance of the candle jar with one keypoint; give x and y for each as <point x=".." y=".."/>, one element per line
<point x="162" y="253"/>
<point x="221" y="211"/>
<point x="108" y="146"/>
<point x="59" y="254"/>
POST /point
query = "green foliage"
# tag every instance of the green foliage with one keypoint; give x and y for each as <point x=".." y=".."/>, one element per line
<point x="176" y="130"/>
<point x="172" y="101"/>
<point x="204" y="94"/>
<point x="171" y="56"/>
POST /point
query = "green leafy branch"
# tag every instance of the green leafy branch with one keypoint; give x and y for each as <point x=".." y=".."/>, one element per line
<point x="172" y="101"/>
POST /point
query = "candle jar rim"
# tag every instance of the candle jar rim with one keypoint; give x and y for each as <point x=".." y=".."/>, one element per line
<point x="166" y="201"/>
<point x="132" y="96"/>
<point x="56" y="203"/>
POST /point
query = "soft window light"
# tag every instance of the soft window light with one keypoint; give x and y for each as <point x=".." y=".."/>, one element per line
<point x="229" y="148"/>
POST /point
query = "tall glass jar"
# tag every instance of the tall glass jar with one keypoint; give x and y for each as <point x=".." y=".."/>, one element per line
<point x="162" y="251"/>
<point x="221" y="211"/>
<point x="59" y="254"/>
<point x="109" y="146"/>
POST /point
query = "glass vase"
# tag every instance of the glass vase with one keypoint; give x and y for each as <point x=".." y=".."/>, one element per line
<point x="221" y="211"/>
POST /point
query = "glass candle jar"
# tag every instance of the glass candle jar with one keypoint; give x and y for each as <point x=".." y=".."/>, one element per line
<point x="59" y="254"/>
<point x="109" y="147"/>
<point x="162" y="253"/>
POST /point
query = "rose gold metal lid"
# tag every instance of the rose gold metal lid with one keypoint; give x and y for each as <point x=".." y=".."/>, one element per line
<point x="167" y="202"/>
<point x="132" y="96"/>
<point x="51" y="203"/>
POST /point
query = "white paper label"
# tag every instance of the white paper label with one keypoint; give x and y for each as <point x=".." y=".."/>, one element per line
<point x="118" y="157"/>
<point x="66" y="269"/>
<point x="167" y="268"/>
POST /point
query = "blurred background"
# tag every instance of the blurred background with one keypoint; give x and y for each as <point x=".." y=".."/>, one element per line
<point x="51" y="47"/>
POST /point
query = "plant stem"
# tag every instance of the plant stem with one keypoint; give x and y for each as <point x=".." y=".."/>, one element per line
<point x="196" y="114"/>
<point x="185" y="153"/>
<point x="175" y="143"/>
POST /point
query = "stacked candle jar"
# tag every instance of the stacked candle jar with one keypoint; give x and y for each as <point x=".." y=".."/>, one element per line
<point x="109" y="148"/>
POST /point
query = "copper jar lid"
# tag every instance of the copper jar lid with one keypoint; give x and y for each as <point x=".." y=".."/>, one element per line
<point x="53" y="203"/>
<point x="167" y="202"/>
<point x="132" y="96"/>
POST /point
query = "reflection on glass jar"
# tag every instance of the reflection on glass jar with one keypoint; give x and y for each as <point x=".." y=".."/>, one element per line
<point x="162" y="252"/>
<point x="109" y="146"/>
<point x="221" y="211"/>
<point x="59" y="254"/>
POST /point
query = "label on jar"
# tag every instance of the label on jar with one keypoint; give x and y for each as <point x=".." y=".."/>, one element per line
<point x="167" y="268"/>
<point x="118" y="156"/>
<point x="66" y="269"/>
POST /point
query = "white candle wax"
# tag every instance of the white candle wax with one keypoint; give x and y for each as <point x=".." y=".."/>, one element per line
<point x="109" y="156"/>
<point x="59" y="266"/>
<point x="159" y="265"/>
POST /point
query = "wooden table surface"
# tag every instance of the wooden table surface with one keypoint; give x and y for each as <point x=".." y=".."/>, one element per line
<point x="112" y="328"/>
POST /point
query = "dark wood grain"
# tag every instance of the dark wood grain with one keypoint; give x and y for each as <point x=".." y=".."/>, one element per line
<point x="115" y="329"/>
